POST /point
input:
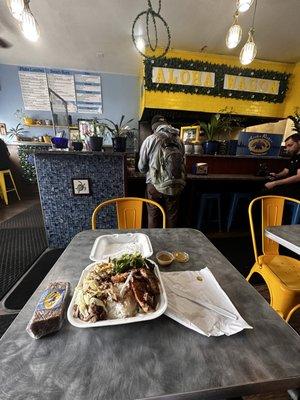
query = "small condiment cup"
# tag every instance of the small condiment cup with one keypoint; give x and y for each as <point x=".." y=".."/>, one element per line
<point x="164" y="257"/>
<point x="181" y="256"/>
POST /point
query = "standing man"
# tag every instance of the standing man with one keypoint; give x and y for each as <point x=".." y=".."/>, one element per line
<point x="162" y="159"/>
<point x="287" y="182"/>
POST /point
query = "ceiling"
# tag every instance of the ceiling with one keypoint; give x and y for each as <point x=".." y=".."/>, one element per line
<point x="96" y="34"/>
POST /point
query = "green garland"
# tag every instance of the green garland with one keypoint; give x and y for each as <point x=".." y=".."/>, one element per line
<point x="28" y="168"/>
<point x="220" y="70"/>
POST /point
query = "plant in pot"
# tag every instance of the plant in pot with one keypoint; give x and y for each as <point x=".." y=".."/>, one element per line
<point x="16" y="133"/>
<point x="217" y="132"/>
<point x="296" y="120"/>
<point x="211" y="129"/>
<point x="119" y="133"/>
<point x="95" y="135"/>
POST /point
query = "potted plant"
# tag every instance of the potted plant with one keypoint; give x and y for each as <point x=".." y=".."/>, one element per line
<point x="17" y="132"/>
<point x="296" y="120"/>
<point x="219" y="128"/>
<point x="211" y="128"/>
<point x="119" y="132"/>
<point x="95" y="135"/>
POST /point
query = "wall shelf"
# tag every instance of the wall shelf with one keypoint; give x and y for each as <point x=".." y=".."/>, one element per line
<point x="50" y="126"/>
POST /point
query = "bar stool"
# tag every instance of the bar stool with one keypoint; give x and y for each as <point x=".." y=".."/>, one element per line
<point x="295" y="210"/>
<point x="236" y="197"/>
<point x="205" y="198"/>
<point x="3" y="189"/>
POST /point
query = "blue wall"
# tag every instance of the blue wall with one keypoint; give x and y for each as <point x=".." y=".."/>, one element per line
<point x="120" y="94"/>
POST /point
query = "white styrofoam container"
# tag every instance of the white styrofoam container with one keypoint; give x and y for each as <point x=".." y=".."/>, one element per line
<point x="161" y="306"/>
<point x="116" y="245"/>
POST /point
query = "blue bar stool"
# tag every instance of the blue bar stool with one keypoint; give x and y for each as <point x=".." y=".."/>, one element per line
<point x="204" y="202"/>
<point x="295" y="210"/>
<point x="236" y="197"/>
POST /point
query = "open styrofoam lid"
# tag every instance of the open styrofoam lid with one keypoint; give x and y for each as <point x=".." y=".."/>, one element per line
<point x="116" y="245"/>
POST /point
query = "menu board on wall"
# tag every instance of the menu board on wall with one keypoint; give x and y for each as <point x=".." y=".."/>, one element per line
<point x="34" y="88"/>
<point x="62" y="82"/>
<point x="81" y="90"/>
<point x="88" y="93"/>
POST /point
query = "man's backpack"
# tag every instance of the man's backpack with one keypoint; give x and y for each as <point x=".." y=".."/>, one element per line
<point x="168" y="171"/>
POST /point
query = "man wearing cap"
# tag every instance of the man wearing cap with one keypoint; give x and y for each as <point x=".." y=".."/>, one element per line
<point x="162" y="159"/>
<point x="287" y="182"/>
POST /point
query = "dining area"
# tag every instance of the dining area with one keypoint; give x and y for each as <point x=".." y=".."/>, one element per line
<point x="224" y="346"/>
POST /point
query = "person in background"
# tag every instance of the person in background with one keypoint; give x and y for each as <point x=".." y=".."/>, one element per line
<point x="287" y="182"/>
<point x="162" y="159"/>
<point x="4" y="156"/>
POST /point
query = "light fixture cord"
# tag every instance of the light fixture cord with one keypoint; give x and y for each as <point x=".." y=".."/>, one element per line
<point x="253" y="17"/>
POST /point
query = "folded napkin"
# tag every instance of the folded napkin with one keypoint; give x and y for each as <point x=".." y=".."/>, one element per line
<point x="196" y="300"/>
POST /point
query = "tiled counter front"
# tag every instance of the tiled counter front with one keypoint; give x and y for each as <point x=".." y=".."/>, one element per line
<point x="66" y="214"/>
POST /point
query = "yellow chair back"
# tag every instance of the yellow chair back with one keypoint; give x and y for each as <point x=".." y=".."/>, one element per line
<point x="129" y="212"/>
<point x="280" y="273"/>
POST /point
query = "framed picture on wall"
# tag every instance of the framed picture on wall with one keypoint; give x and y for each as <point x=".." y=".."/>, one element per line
<point x="3" y="130"/>
<point x="81" y="187"/>
<point x="190" y="133"/>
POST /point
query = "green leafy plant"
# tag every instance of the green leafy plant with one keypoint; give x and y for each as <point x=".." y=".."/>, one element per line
<point x="119" y="129"/>
<point x="220" y="124"/>
<point x="296" y="120"/>
<point x="16" y="132"/>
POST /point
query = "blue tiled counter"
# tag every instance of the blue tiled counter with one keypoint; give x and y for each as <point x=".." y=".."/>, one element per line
<point x="66" y="214"/>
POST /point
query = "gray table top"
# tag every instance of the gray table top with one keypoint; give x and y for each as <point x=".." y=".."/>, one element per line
<point x="157" y="359"/>
<point x="286" y="235"/>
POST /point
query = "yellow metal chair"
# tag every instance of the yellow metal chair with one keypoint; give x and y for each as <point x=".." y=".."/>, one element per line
<point x="281" y="273"/>
<point x="129" y="212"/>
<point x="3" y="188"/>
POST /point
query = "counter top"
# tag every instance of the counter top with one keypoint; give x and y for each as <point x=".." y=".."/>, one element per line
<point x="29" y="144"/>
<point x="223" y="177"/>
<point x="237" y="156"/>
<point x="65" y="152"/>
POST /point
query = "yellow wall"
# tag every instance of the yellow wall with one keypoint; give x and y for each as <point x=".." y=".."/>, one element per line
<point x="292" y="101"/>
<point x="196" y="102"/>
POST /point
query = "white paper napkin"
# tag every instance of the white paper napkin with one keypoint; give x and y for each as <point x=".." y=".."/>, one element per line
<point x="209" y="318"/>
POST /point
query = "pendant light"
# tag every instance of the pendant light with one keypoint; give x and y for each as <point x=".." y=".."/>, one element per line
<point x="152" y="21"/>
<point x="249" y="51"/>
<point x="16" y="7"/>
<point x="234" y="34"/>
<point x="29" y="26"/>
<point x="243" y="5"/>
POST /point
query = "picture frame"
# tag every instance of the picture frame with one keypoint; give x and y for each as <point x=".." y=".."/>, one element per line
<point x="81" y="186"/>
<point x="3" y="130"/>
<point x="85" y="127"/>
<point x="190" y="134"/>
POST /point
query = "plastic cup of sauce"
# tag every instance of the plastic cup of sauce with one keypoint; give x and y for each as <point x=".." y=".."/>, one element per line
<point x="164" y="257"/>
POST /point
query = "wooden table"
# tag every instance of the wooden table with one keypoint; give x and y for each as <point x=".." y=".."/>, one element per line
<point x="157" y="359"/>
<point x="286" y="235"/>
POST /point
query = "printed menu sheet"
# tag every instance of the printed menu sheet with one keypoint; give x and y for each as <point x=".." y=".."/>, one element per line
<point x="88" y="93"/>
<point x="34" y="88"/>
<point x="62" y="82"/>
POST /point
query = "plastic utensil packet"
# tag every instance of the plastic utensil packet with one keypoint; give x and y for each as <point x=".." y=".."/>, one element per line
<point x="49" y="313"/>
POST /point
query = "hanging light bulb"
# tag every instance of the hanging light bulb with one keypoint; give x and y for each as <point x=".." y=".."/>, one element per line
<point x="140" y="44"/>
<point x="243" y="5"/>
<point x="16" y="7"/>
<point x="29" y="26"/>
<point x="234" y="34"/>
<point x="249" y="51"/>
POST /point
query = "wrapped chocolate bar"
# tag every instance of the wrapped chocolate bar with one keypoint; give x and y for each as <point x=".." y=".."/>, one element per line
<point x="49" y="313"/>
